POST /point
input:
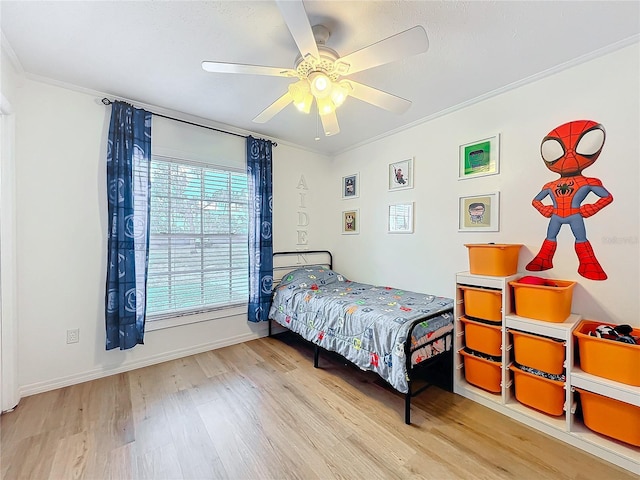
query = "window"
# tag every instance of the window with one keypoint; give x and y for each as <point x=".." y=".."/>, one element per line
<point x="198" y="255"/>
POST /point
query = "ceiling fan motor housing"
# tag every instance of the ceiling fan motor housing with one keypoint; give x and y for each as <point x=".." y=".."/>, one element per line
<point x="325" y="64"/>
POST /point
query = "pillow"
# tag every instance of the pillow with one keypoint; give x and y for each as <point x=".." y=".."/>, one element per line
<point x="312" y="275"/>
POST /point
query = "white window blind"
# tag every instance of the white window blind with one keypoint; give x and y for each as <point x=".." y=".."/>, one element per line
<point x="198" y="254"/>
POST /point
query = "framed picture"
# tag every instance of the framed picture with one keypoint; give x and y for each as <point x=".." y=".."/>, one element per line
<point x="351" y="221"/>
<point x="351" y="186"/>
<point x="479" y="213"/>
<point x="401" y="175"/>
<point x="401" y="218"/>
<point x="479" y="158"/>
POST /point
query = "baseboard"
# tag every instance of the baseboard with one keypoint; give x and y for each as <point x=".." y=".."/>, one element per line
<point x="40" y="387"/>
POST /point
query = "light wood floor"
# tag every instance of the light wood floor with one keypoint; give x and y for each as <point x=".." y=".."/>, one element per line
<point x="259" y="410"/>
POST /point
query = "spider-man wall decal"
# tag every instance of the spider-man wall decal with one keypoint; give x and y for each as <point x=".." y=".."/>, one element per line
<point x="568" y="150"/>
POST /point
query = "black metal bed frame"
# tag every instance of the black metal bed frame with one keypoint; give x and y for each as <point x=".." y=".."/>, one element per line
<point x="412" y="370"/>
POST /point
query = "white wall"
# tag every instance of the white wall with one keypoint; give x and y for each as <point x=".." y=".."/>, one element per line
<point x="604" y="89"/>
<point x="61" y="243"/>
<point x="301" y="214"/>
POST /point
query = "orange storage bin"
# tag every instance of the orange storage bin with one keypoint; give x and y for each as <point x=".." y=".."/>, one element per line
<point x="540" y="393"/>
<point x="482" y="337"/>
<point x="482" y="373"/>
<point x="482" y="303"/>
<point x="611" y="417"/>
<point x="616" y="361"/>
<point x="542" y="302"/>
<point x="497" y="260"/>
<point x="538" y="352"/>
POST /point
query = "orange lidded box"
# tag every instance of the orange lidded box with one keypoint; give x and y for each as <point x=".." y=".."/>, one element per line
<point x="605" y="358"/>
<point x="611" y="417"/>
<point x="482" y="372"/>
<point x="482" y="337"/>
<point x="549" y="303"/>
<point x="493" y="259"/>
<point x="540" y="393"/>
<point x="541" y="353"/>
<point x="482" y="303"/>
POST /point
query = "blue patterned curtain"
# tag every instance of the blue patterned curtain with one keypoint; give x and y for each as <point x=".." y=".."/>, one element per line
<point x="128" y="187"/>
<point x="260" y="234"/>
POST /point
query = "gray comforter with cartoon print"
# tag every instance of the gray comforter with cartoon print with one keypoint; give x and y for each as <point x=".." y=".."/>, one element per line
<point x="366" y="324"/>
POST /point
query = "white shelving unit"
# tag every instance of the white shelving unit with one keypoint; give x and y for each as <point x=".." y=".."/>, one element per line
<point x="567" y="427"/>
<point x="493" y="283"/>
<point x="560" y="331"/>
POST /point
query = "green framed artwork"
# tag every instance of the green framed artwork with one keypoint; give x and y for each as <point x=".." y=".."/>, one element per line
<point x="479" y="158"/>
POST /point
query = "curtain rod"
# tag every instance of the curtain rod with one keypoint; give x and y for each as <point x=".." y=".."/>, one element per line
<point x="106" y="101"/>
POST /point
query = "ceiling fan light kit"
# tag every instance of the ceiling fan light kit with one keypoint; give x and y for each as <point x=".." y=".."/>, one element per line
<point x="340" y="92"/>
<point x="318" y="69"/>
<point x="301" y="95"/>
<point x="320" y="84"/>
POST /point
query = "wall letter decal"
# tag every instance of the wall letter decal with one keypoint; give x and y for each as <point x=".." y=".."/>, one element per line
<point x="302" y="183"/>
<point x="303" y="219"/>
<point x="302" y="237"/>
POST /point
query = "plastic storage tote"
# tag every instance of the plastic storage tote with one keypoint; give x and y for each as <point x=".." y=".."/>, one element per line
<point x="482" y="337"/>
<point x="605" y="358"/>
<point x="543" y="302"/>
<point x="540" y="393"/>
<point x="482" y="303"/>
<point x="611" y="417"/>
<point x="482" y="372"/>
<point x="541" y="353"/>
<point x="496" y="260"/>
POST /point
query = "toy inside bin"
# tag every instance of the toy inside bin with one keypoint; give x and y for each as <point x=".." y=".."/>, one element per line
<point x="550" y="302"/>
<point x="493" y="259"/>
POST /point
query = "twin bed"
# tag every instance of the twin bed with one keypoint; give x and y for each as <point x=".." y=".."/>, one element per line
<point x="392" y="332"/>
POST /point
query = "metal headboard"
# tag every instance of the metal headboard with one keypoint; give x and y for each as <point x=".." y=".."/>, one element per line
<point x="284" y="262"/>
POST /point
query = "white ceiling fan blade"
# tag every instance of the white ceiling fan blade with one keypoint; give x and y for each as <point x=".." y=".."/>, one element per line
<point x="330" y="124"/>
<point x="269" y="112"/>
<point x="379" y="98"/>
<point x="296" y="19"/>
<point x="399" y="46"/>
<point x="220" y="67"/>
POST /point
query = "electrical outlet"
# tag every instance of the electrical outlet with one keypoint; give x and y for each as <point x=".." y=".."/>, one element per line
<point x="73" y="336"/>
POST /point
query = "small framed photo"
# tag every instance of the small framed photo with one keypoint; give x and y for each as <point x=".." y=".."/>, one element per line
<point x="479" y="213"/>
<point x="479" y="158"/>
<point x="351" y="221"/>
<point x="401" y="175"/>
<point x="401" y="218"/>
<point x="351" y="186"/>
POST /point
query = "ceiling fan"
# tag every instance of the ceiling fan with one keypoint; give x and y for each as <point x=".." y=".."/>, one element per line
<point x="320" y="70"/>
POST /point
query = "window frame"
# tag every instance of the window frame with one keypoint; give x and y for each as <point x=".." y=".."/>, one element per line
<point x="187" y="316"/>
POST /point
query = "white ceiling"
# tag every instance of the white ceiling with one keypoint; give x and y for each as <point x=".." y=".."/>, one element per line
<point x="151" y="53"/>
